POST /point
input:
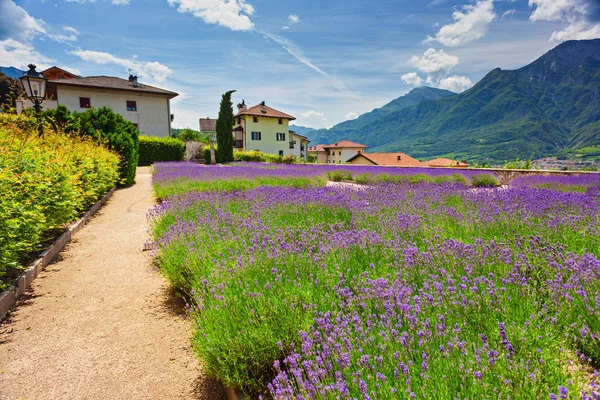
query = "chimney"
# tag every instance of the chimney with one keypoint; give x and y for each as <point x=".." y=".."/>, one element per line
<point x="399" y="158"/>
<point x="263" y="107"/>
<point x="242" y="106"/>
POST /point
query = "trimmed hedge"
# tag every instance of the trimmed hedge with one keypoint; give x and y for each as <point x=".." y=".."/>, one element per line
<point x="45" y="183"/>
<point x="154" y="149"/>
<point x="104" y="126"/>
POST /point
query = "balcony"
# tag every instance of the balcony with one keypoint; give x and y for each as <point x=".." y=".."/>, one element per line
<point x="238" y="144"/>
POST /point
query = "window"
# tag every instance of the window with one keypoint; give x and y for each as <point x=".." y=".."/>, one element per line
<point x="281" y="137"/>
<point x="340" y="153"/>
<point x="239" y="121"/>
<point x="255" y="119"/>
<point x="256" y="136"/>
<point x="136" y="126"/>
<point x="131" y="105"/>
<point x="85" y="102"/>
<point x="280" y="121"/>
<point x="280" y="153"/>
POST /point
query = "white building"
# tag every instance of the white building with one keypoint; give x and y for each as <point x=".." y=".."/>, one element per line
<point x="147" y="107"/>
<point x="336" y="153"/>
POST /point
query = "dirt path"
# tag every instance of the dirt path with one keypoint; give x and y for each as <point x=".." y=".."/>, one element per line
<point x="100" y="323"/>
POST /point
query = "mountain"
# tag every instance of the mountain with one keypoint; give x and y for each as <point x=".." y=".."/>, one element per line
<point x="352" y="127"/>
<point x="549" y="107"/>
<point x="12" y="72"/>
<point x="301" y="130"/>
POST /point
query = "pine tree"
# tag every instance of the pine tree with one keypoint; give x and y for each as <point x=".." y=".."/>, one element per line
<point x="225" y="130"/>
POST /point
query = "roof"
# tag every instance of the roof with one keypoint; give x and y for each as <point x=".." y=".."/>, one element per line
<point x="258" y="109"/>
<point x="390" y="159"/>
<point x="58" y="73"/>
<point x="445" y="162"/>
<point x="296" y="134"/>
<point x="208" y="125"/>
<point x="344" y="143"/>
<point x="318" y="148"/>
<point x="111" y="82"/>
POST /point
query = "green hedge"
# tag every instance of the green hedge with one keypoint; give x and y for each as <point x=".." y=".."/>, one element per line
<point x="104" y="126"/>
<point x="45" y="183"/>
<point x="153" y="149"/>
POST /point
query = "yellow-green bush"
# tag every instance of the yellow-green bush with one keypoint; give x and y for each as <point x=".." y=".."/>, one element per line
<point x="45" y="183"/>
<point x="155" y="149"/>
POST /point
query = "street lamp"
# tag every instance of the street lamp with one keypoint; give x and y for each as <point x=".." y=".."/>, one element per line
<point x="34" y="84"/>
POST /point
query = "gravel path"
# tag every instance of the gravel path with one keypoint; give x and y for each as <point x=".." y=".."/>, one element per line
<point x="100" y="323"/>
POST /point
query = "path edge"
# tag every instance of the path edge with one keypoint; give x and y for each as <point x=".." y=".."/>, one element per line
<point x="9" y="297"/>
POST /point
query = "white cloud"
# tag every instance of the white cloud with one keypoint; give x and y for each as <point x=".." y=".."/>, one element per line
<point x="18" y="54"/>
<point x="17" y="24"/>
<point x="154" y="70"/>
<point x="233" y="14"/>
<point x="508" y="14"/>
<point x="314" y="119"/>
<point x="435" y="63"/>
<point x="351" y="116"/>
<point x="455" y="83"/>
<point x="412" y="78"/>
<point x="115" y="2"/>
<point x="469" y="24"/>
<point x="293" y="19"/>
<point x="582" y="17"/>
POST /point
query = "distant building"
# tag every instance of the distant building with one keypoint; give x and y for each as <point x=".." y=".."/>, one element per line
<point x="337" y="153"/>
<point x="446" y="163"/>
<point x="386" y="159"/>
<point x="147" y="107"/>
<point x="267" y="130"/>
<point x="208" y="126"/>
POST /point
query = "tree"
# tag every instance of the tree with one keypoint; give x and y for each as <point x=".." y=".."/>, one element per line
<point x="225" y="129"/>
<point x="10" y="89"/>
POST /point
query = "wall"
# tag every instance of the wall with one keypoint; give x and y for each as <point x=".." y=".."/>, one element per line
<point x="347" y="153"/>
<point x="47" y="105"/>
<point x="269" y="127"/>
<point x="361" y="161"/>
<point x="297" y="150"/>
<point x="152" y="115"/>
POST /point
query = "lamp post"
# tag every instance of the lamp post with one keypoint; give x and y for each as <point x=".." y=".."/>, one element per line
<point x="34" y="84"/>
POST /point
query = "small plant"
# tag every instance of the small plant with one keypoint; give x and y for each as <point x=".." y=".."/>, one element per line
<point x="339" y="175"/>
<point x="363" y="178"/>
<point x="154" y="149"/>
<point x="485" y="180"/>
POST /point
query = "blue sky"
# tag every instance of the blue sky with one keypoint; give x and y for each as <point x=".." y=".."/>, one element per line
<point x="321" y="61"/>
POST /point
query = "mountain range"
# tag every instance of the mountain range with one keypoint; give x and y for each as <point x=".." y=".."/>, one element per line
<point x="550" y="107"/>
<point x="12" y="72"/>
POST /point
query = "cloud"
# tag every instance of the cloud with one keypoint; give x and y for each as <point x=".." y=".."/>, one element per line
<point x="19" y="54"/>
<point x="437" y="64"/>
<point x="115" y="2"/>
<point x="469" y="24"/>
<point x="233" y="14"/>
<point x="313" y="119"/>
<point x="455" y="83"/>
<point x="582" y="17"/>
<point x="412" y="78"/>
<point x="508" y="14"/>
<point x="292" y="19"/>
<point x="17" y="24"/>
<point x="154" y="70"/>
<point x="351" y="116"/>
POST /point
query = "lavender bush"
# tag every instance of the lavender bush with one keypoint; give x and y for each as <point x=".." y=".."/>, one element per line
<point x="395" y="290"/>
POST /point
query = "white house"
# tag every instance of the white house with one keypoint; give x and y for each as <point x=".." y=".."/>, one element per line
<point x="147" y="107"/>
<point x="267" y="130"/>
<point x="336" y="153"/>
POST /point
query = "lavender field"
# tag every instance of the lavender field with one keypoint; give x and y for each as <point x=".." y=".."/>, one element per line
<point x="412" y="285"/>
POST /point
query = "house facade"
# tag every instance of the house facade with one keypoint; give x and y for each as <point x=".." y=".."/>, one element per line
<point x="267" y="130"/>
<point x="336" y="153"/>
<point x="446" y="163"/>
<point x="147" y="107"/>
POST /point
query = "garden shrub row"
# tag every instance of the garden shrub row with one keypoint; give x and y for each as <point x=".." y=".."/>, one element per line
<point x="104" y="126"/>
<point x="45" y="183"/>
<point x="153" y="149"/>
<point x="483" y="180"/>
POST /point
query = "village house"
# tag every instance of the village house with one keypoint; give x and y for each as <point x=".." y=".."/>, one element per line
<point x="267" y="130"/>
<point x="386" y="159"/>
<point x="147" y="107"/>
<point x="336" y="153"/>
<point x="446" y="163"/>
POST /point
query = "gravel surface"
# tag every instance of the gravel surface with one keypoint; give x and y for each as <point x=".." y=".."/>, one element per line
<point x="101" y="323"/>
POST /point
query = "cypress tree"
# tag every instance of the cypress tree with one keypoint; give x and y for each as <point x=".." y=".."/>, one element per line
<point x="225" y="129"/>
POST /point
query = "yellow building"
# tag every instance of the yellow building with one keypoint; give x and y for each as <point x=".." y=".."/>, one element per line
<point x="267" y="130"/>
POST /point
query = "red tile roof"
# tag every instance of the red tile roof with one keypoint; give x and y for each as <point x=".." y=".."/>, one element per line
<point x="265" y="111"/>
<point x="318" y="148"/>
<point x="446" y="162"/>
<point x="390" y="159"/>
<point x="344" y="143"/>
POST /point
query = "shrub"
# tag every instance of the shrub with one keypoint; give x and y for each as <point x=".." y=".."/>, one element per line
<point x="485" y="180"/>
<point x="339" y="175"/>
<point x="153" y="149"/>
<point x="206" y="154"/>
<point x="190" y="135"/>
<point x="363" y="178"/>
<point x="103" y="126"/>
<point x="45" y="182"/>
<point x="249" y="156"/>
